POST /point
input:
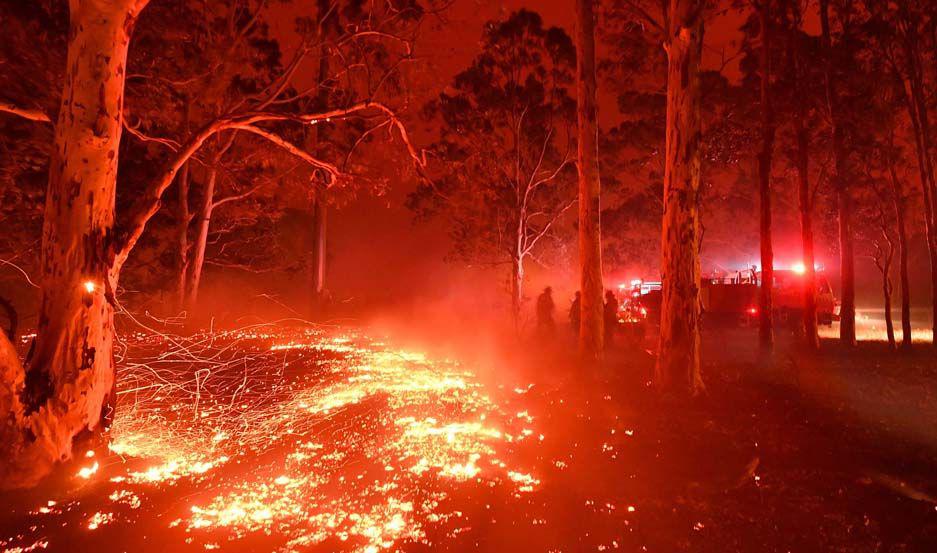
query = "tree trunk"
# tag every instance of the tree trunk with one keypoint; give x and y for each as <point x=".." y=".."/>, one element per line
<point x="805" y="197"/>
<point x="183" y="218"/>
<point x="678" y="362"/>
<point x="847" y="312"/>
<point x="812" y="338"/>
<point x="517" y="289"/>
<point x="916" y="104"/>
<point x="766" y="307"/>
<point x="591" y="322"/>
<point x="201" y="239"/>
<point x="900" y="207"/>
<point x="883" y="259"/>
<point x="318" y="250"/>
<point x="315" y="256"/>
<point x="930" y="233"/>
<point x="315" y="139"/>
<point x="886" y="291"/>
<point x="68" y="391"/>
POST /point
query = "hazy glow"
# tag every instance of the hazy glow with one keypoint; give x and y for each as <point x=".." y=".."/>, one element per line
<point x="871" y="330"/>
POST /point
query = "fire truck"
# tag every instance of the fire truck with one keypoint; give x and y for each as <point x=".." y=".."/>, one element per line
<point x="731" y="299"/>
<point x="788" y="297"/>
<point x="638" y="309"/>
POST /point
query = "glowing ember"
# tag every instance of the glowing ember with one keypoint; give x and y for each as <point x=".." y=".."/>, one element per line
<point x="308" y="436"/>
<point x="87" y="472"/>
<point x="526" y="481"/>
<point x="99" y="519"/>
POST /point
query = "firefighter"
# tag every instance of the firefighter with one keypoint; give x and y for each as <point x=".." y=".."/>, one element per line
<point x="545" y="306"/>
<point x="611" y="317"/>
<point x="575" y="312"/>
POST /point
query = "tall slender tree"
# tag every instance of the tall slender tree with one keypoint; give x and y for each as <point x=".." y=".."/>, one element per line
<point x="591" y="332"/>
<point x="892" y="157"/>
<point x="183" y="219"/>
<point x="765" y="155"/>
<point x="678" y="362"/>
<point x="884" y="254"/>
<point x="798" y="45"/>
<point x="506" y="147"/>
<point x="839" y="177"/>
<point x="893" y="33"/>
<point x="900" y="206"/>
<point x="328" y="28"/>
<point x="906" y="61"/>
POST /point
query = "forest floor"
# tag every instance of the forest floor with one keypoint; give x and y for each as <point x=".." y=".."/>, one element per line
<point x="291" y="439"/>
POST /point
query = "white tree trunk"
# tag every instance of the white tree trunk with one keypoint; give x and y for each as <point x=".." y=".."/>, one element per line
<point x="318" y="250"/>
<point x="68" y="390"/>
<point x="183" y="218"/>
<point x="201" y="240"/>
<point x="517" y="290"/>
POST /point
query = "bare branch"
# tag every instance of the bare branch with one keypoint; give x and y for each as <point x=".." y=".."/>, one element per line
<point x="553" y="175"/>
<point x="406" y="43"/>
<point x="546" y="228"/>
<point x="644" y="15"/>
<point x="247" y="267"/>
<point x="361" y="139"/>
<point x="289" y="147"/>
<point x="148" y="204"/>
<point x="236" y="197"/>
<point x="25" y="113"/>
<point x="135" y="131"/>
<point x="21" y="271"/>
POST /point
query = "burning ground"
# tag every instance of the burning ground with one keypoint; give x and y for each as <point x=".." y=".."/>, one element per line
<point x="291" y="438"/>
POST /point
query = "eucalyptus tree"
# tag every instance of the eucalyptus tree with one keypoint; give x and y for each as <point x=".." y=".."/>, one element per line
<point x="505" y="175"/>
<point x="679" y="26"/>
<point x="68" y="391"/>
<point x="591" y="320"/>
<point x="902" y="44"/>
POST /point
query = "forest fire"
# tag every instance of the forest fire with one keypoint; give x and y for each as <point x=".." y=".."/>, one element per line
<point x="468" y="275"/>
<point x="316" y="436"/>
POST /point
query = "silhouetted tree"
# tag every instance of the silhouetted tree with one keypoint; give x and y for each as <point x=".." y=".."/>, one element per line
<point x="835" y="64"/>
<point x="505" y="176"/>
<point x="898" y="34"/>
